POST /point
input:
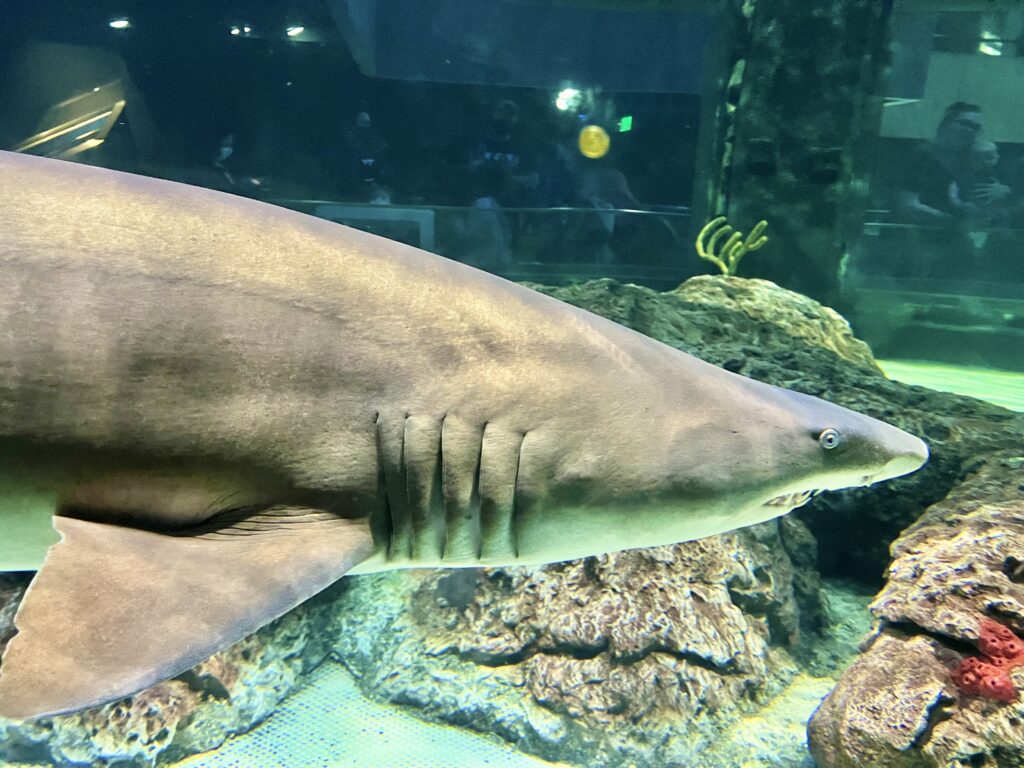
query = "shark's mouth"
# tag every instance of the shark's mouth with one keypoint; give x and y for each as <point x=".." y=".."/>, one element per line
<point x="791" y="500"/>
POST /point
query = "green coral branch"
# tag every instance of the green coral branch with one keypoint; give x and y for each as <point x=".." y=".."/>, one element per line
<point x="735" y="248"/>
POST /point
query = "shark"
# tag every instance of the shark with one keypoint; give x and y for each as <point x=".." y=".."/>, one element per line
<point x="212" y="408"/>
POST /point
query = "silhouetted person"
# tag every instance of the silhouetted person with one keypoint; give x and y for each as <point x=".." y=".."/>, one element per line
<point x="223" y="159"/>
<point x="924" y="194"/>
<point x="928" y="195"/>
<point x="365" y="167"/>
<point x="499" y="160"/>
<point x="232" y="174"/>
<point x="607" y="191"/>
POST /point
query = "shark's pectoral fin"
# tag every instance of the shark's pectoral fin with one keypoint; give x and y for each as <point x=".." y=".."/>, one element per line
<point x="116" y="609"/>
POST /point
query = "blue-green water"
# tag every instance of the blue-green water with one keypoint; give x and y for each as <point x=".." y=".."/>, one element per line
<point x="460" y="129"/>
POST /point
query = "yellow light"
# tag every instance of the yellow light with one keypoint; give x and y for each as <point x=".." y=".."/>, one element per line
<point x="594" y="142"/>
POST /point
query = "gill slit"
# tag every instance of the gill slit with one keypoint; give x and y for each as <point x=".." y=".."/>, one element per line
<point x="476" y="499"/>
<point x="516" y="499"/>
<point x="442" y="481"/>
<point x="403" y="477"/>
<point x="384" y="512"/>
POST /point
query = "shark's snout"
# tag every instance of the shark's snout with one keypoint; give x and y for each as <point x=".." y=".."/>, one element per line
<point x="909" y="455"/>
<point x="823" y="446"/>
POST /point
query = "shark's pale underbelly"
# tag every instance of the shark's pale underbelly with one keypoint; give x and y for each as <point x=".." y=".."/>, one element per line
<point x="39" y="480"/>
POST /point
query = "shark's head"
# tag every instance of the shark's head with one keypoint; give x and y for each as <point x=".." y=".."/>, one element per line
<point x="734" y="453"/>
<point x="798" y="445"/>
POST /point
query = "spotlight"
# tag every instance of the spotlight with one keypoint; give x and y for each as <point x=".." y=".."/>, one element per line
<point x="121" y="23"/>
<point x="990" y="44"/>
<point x="567" y="98"/>
<point x="294" y="31"/>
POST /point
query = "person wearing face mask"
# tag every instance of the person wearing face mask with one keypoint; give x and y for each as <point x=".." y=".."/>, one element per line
<point x="226" y="165"/>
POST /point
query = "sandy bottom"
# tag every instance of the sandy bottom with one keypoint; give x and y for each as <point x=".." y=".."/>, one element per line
<point x="328" y="723"/>
<point x="1005" y="388"/>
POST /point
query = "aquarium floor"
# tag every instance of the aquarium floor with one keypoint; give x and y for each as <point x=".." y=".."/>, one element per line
<point x="328" y="723"/>
<point x="1005" y="388"/>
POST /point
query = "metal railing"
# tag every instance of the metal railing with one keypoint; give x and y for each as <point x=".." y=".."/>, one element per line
<point x="649" y="246"/>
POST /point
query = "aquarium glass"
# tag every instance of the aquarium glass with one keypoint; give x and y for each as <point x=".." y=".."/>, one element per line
<point x="826" y="198"/>
<point x="939" y="275"/>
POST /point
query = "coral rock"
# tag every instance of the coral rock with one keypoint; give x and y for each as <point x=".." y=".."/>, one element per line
<point x="977" y="677"/>
<point x="897" y="705"/>
<point x="989" y="674"/>
<point x="1000" y="644"/>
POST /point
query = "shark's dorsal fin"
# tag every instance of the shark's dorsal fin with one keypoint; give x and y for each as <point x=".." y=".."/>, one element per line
<point x="116" y="609"/>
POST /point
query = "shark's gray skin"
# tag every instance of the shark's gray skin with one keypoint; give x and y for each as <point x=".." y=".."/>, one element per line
<point x="229" y="405"/>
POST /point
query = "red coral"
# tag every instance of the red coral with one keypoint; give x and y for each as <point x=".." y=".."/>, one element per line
<point x="989" y="674"/>
<point x="1000" y="644"/>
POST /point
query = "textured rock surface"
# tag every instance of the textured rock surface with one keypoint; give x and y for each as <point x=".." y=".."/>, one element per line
<point x="791" y="132"/>
<point x="12" y="587"/>
<point x="716" y="316"/>
<point x="960" y="563"/>
<point x="762" y="303"/>
<point x="882" y="707"/>
<point x="632" y="657"/>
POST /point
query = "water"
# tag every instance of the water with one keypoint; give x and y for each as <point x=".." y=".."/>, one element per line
<point x="591" y="150"/>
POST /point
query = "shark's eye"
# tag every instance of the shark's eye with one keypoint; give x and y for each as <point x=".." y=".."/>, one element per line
<point x="829" y="439"/>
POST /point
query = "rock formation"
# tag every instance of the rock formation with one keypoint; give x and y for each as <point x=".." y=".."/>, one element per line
<point x="960" y="564"/>
<point x="636" y="657"/>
